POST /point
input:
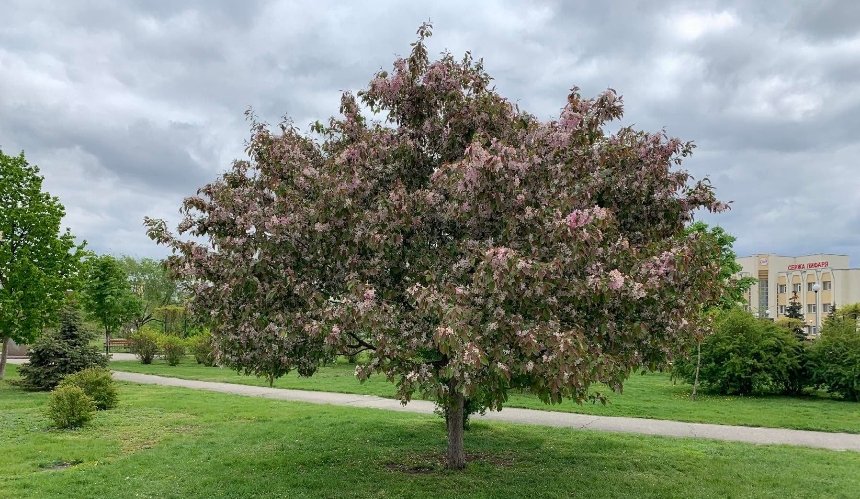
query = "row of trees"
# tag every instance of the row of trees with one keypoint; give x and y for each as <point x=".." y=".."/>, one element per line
<point x="131" y="292"/>
<point x="41" y="265"/>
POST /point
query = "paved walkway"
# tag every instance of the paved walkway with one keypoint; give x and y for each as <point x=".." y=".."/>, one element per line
<point x="114" y="356"/>
<point x="777" y="436"/>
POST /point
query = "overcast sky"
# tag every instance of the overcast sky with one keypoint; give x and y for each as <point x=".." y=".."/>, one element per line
<point x="130" y="106"/>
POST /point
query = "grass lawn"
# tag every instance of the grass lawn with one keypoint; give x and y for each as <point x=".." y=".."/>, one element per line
<point x="173" y="442"/>
<point x="646" y="396"/>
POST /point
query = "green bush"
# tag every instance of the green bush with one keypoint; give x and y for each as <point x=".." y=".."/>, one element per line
<point x="70" y="407"/>
<point x="97" y="383"/>
<point x="173" y="348"/>
<point x="835" y="359"/>
<point x="144" y="344"/>
<point x="746" y="355"/>
<point x="203" y="348"/>
<point x="59" y="353"/>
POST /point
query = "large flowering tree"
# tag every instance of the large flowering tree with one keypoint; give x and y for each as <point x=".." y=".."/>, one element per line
<point x="466" y="246"/>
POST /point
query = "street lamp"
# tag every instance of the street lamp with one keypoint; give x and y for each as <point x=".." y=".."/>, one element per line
<point x="816" y="287"/>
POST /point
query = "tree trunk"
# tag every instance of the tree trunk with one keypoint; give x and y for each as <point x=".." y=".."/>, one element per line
<point x="698" y="364"/>
<point x="456" y="458"/>
<point x="107" y="343"/>
<point x="3" y="355"/>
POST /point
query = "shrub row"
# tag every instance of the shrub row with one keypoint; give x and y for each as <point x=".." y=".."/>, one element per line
<point x="746" y="355"/>
<point x="147" y="344"/>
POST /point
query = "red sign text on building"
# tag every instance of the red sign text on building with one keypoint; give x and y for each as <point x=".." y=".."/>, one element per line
<point x="809" y="266"/>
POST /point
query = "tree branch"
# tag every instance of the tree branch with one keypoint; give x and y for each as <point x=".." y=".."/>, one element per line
<point x="360" y="343"/>
<point x="358" y="351"/>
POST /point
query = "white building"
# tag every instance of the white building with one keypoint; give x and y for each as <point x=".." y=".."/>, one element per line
<point x="819" y="281"/>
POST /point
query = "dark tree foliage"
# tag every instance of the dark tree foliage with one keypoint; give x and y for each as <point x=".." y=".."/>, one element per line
<point x="59" y="353"/>
<point x="795" y="311"/>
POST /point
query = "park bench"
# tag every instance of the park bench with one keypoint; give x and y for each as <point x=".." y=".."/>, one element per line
<point x="118" y="342"/>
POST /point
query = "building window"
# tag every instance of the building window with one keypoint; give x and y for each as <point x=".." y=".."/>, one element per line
<point x="782" y="309"/>
<point x="781" y="289"/>
<point x="826" y="285"/>
<point x="762" y="295"/>
<point x="809" y="286"/>
<point x="825" y="307"/>
<point x="810" y="309"/>
<point x="795" y="287"/>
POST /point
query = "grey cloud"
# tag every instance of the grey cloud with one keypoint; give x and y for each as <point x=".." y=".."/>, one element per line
<point x="144" y="99"/>
<point x="827" y="19"/>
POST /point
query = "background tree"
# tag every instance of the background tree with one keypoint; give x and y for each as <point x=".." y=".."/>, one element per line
<point x="834" y="357"/>
<point x="152" y="284"/>
<point x="38" y="261"/>
<point x="794" y="311"/>
<point x="174" y="319"/>
<point x="467" y="247"/>
<point x="732" y="288"/>
<point x="107" y="296"/>
<point x="849" y="313"/>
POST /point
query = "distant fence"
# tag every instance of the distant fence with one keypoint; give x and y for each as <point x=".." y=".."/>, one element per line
<point x="16" y="350"/>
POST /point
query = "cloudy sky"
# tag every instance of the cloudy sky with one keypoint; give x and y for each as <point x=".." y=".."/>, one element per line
<point x="130" y="106"/>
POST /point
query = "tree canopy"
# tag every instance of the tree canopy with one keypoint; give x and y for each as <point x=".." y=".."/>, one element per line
<point x="39" y="261"/>
<point x="466" y="246"/>
<point x="734" y="288"/>
<point x="152" y="284"/>
<point x="107" y="295"/>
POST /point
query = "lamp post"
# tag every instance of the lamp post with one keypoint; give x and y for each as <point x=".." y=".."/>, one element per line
<point x="816" y="287"/>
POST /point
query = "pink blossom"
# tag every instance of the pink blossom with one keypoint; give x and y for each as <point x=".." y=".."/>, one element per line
<point x="334" y="336"/>
<point x="472" y="355"/>
<point x="499" y="256"/>
<point x="470" y="175"/>
<point x="616" y="280"/>
<point x="578" y="218"/>
<point x="444" y="332"/>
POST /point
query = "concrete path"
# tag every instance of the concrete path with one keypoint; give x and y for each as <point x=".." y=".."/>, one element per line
<point x="114" y="356"/>
<point x="775" y="436"/>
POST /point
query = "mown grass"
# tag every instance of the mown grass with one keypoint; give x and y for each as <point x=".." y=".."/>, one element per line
<point x="171" y="442"/>
<point x="652" y="395"/>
